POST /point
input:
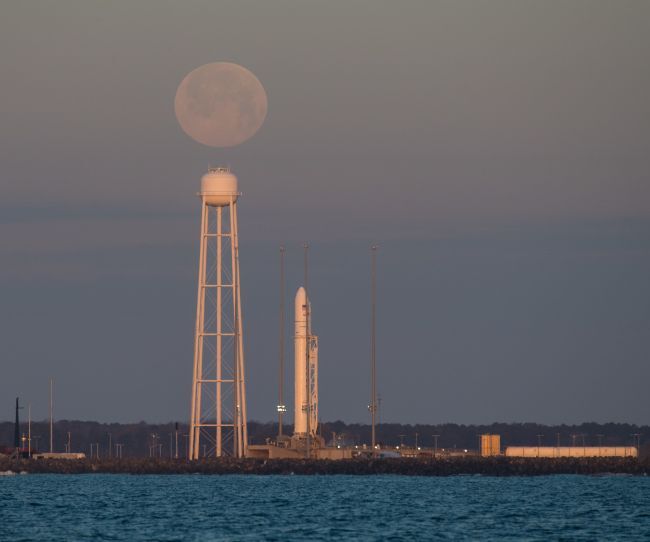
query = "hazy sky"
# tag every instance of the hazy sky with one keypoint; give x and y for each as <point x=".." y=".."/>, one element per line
<point x="497" y="151"/>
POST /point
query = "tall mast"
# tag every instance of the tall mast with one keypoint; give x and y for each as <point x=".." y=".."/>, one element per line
<point x="307" y="333"/>
<point x="51" y="415"/>
<point x="281" y="407"/>
<point x="373" y="350"/>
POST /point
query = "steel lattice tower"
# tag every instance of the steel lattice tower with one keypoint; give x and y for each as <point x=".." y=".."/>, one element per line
<point x="218" y="412"/>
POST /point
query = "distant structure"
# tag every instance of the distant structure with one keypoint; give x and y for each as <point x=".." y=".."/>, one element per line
<point x="218" y="410"/>
<point x="571" y="451"/>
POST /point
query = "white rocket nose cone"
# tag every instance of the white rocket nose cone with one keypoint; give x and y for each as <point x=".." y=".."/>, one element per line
<point x="301" y="304"/>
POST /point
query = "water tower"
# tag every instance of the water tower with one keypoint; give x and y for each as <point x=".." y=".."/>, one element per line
<point x="218" y="413"/>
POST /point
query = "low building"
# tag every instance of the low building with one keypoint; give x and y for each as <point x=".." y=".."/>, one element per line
<point x="571" y="451"/>
<point x="56" y="455"/>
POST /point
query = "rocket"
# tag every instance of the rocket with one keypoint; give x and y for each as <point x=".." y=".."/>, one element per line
<point x="305" y="383"/>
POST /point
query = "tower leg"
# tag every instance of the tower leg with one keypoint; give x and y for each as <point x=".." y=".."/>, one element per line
<point x="219" y="420"/>
<point x="240" y="350"/>
<point x="195" y="416"/>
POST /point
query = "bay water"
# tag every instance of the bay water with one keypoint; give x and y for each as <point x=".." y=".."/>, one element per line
<point x="249" y="507"/>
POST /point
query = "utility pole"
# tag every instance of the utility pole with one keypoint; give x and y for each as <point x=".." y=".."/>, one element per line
<point x="52" y="415"/>
<point x="176" y="448"/>
<point x="435" y="444"/>
<point x="373" y="352"/>
<point x="17" y="428"/>
<point x="110" y="446"/>
<point x="94" y="446"/>
<point x="281" y="406"/>
<point x="29" y="430"/>
<point x="416" y="441"/>
<point x="307" y="334"/>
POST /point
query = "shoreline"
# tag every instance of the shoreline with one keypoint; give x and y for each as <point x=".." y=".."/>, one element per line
<point x="496" y="466"/>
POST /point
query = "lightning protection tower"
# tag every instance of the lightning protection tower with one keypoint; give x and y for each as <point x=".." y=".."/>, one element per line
<point x="218" y="412"/>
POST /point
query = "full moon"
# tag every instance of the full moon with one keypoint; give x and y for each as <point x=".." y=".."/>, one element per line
<point x="220" y="104"/>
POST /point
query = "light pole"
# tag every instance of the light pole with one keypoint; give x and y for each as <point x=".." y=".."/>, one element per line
<point x="176" y="437"/>
<point x="435" y="444"/>
<point x="29" y="430"/>
<point x="51" y="415"/>
<point x="281" y="406"/>
<point x="94" y="447"/>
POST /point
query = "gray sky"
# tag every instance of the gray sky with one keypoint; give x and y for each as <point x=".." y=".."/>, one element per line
<point x="498" y="152"/>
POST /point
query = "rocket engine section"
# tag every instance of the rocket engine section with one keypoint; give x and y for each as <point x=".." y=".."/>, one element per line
<point x="306" y="369"/>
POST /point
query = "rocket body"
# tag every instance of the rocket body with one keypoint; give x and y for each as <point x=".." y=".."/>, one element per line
<point x="300" y="338"/>
<point x="306" y="369"/>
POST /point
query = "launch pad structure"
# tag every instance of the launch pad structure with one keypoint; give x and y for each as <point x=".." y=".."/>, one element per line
<point x="305" y="442"/>
<point x="218" y="410"/>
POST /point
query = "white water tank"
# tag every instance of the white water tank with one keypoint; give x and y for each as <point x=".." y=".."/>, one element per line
<point x="219" y="187"/>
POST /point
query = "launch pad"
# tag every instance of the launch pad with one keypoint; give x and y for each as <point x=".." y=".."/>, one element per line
<point x="305" y="442"/>
<point x="291" y="448"/>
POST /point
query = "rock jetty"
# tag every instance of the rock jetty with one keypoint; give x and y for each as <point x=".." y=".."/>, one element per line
<point x="495" y="466"/>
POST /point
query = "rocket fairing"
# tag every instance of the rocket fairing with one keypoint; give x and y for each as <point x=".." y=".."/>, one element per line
<point x="305" y="383"/>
